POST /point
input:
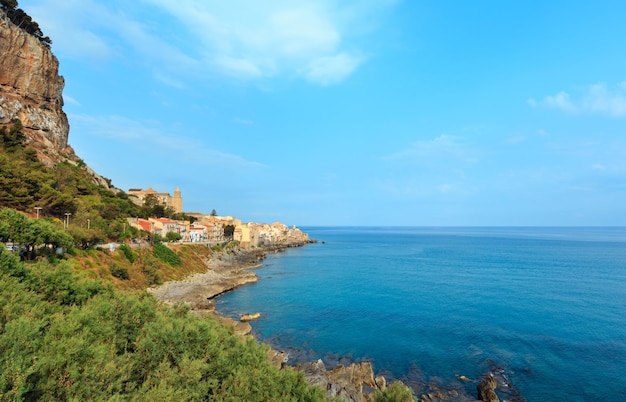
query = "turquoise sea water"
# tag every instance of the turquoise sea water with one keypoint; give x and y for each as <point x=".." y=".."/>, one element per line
<point x="548" y="305"/>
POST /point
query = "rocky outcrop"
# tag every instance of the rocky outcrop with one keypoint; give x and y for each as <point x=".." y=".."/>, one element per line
<point x="344" y="382"/>
<point x="486" y="390"/>
<point x="31" y="88"/>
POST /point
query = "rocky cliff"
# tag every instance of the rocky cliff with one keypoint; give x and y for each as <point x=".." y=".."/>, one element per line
<point x="31" y="88"/>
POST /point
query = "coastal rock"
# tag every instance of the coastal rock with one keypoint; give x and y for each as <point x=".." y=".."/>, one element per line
<point x="249" y="317"/>
<point x="343" y="382"/>
<point x="243" y="328"/>
<point x="381" y="382"/>
<point x="315" y="373"/>
<point x="239" y="328"/>
<point x="31" y="87"/>
<point x="486" y="390"/>
<point x="276" y="358"/>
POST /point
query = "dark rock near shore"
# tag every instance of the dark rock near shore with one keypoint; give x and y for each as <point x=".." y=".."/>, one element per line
<point x="486" y="390"/>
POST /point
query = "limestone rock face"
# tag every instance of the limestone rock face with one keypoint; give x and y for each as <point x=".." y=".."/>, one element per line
<point x="30" y="87"/>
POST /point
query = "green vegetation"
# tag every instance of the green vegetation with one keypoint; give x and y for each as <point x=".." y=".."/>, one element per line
<point x="26" y="184"/>
<point x="166" y="255"/>
<point x="229" y="230"/>
<point x="31" y="234"/>
<point x="128" y="253"/>
<point x="68" y="193"/>
<point x="396" y="392"/>
<point x="66" y="337"/>
<point x="23" y="20"/>
<point x="119" y="272"/>
<point x="172" y="236"/>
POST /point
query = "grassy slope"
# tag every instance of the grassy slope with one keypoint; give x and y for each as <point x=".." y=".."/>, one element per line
<point x="97" y="263"/>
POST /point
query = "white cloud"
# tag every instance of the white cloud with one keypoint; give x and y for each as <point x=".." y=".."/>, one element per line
<point x="594" y="99"/>
<point x="69" y="99"/>
<point x="247" y="40"/>
<point x="333" y="69"/>
<point x="238" y="67"/>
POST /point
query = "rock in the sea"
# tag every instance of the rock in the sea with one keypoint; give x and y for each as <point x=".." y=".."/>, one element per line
<point x="249" y="317"/>
<point x="486" y="390"/>
<point x="462" y="377"/>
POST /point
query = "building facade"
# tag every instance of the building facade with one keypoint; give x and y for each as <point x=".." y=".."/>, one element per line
<point x="175" y="202"/>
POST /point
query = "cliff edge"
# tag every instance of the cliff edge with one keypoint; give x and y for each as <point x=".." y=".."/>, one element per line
<point x="31" y="88"/>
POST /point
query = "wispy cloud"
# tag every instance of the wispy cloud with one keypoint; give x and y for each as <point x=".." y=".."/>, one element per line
<point x="443" y="149"/>
<point x="594" y="99"/>
<point x="246" y="122"/>
<point x="332" y="69"/>
<point x="429" y="168"/>
<point x="247" y="40"/>
<point x="150" y="137"/>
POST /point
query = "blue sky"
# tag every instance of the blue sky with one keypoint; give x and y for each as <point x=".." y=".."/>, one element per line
<point x="371" y="112"/>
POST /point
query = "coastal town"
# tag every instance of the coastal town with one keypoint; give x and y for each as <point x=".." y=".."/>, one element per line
<point x="210" y="228"/>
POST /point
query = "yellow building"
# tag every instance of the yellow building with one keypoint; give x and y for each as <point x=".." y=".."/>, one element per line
<point x="175" y="202"/>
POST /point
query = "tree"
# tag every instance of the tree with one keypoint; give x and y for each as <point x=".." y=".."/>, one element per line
<point x="173" y="236"/>
<point x="86" y="238"/>
<point x="24" y="21"/>
<point x="153" y="207"/>
<point x="213" y="212"/>
<point x="31" y="233"/>
<point x="8" y="4"/>
<point x="229" y="230"/>
<point x="14" y="137"/>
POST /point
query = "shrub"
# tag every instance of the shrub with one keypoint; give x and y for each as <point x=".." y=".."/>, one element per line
<point x="173" y="236"/>
<point x="396" y="392"/>
<point x="128" y="253"/>
<point x="119" y="272"/>
<point x="149" y="266"/>
<point x="67" y="338"/>
<point x="166" y="255"/>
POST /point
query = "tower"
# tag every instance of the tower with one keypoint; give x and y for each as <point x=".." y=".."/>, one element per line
<point x="177" y="201"/>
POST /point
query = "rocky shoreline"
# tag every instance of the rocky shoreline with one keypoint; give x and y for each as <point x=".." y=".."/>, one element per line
<point x="231" y="268"/>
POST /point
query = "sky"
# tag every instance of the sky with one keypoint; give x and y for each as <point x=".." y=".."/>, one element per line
<point x="341" y="112"/>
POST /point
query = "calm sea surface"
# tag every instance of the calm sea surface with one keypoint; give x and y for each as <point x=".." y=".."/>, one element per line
<point x="546" y="304"/>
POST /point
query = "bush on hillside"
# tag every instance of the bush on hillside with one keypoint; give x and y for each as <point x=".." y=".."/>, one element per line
<point x="128" y="253"/>
<point x="65" y="337"/>
<point x="396" y="392"/>
<point x="166" y="255"/>
<point x="119" y="272"/>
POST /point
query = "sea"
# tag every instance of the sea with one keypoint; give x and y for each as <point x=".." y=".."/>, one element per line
<point x="542" y="307"/>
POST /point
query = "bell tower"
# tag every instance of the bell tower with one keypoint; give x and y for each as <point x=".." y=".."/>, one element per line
<point x="177" y="201"/>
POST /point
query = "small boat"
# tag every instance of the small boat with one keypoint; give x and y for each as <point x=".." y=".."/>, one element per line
<point x="249" y="317"/>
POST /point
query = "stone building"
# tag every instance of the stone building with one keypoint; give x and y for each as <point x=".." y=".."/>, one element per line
<point x="175" y="202"/>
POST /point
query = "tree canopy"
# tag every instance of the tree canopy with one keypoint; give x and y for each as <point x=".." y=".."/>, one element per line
<point x="24" y="21"/>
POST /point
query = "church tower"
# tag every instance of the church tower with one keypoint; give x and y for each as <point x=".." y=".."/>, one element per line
<point x="177" y="201"/>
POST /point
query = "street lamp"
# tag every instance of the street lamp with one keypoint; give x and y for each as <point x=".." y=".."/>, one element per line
<point x="38" y="209"/>
<point x="67" y="219"/>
